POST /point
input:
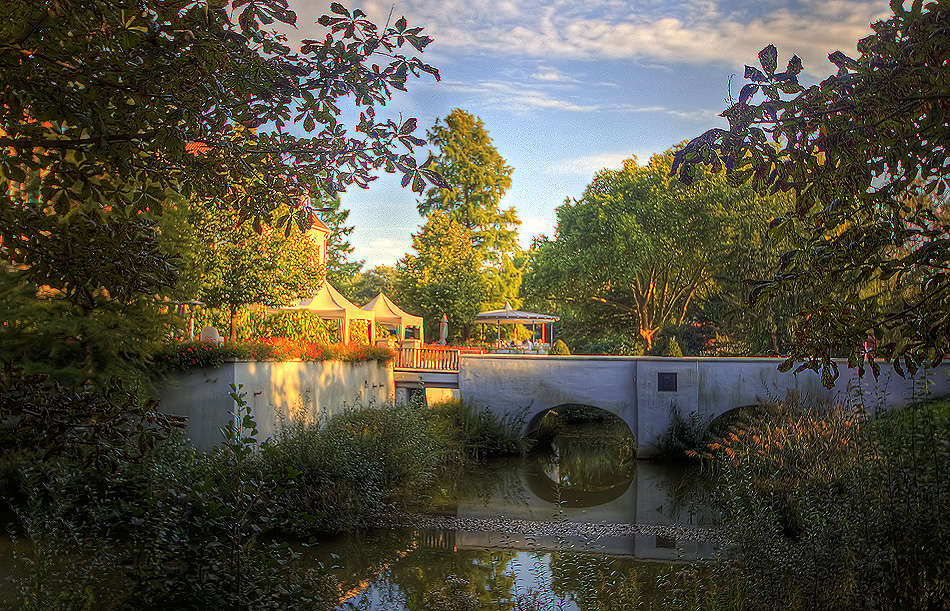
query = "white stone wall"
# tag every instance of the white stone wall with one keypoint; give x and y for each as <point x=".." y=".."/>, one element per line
<point x="277" y="393"/>
<point x="628" y="387"/>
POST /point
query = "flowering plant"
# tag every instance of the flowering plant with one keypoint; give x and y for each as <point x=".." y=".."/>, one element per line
<point x="189" y="355"/>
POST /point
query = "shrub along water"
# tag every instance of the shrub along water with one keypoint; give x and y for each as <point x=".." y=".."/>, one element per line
<point x="829" y="507"/>
<point x="471" y="433"/>
<point x="187" y="530"/>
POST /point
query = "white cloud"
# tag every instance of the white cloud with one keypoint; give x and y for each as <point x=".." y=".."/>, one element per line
<point x="553" y="75"/>
<point x="535" y="226"/>
<point x="588" y="165"/>
<point x="694" y="32"/>
<point x="514" y="96"/>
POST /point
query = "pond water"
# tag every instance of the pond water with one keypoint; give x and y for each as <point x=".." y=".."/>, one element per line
<point x="582" y="525"/>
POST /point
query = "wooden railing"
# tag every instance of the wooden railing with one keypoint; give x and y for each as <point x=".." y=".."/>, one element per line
<point x="432" y="358"/>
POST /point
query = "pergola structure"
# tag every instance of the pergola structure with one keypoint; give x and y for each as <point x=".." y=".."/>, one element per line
<point x="388" y="313"/>
<point x="509" y="316"/>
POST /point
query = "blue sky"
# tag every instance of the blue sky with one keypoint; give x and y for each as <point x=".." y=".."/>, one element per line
<point x="567" y="87"/>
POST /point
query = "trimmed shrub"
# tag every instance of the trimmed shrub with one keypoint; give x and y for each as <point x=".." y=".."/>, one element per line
<point x="560" y="349"/>
<point x="189" y="355"/>
<point x="673" y="349"/>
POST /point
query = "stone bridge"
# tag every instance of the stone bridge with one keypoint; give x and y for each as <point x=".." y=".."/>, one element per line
<point x="644" y="391"/>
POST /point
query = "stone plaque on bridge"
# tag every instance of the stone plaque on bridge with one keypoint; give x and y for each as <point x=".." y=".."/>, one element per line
<point x="666" y="382"/>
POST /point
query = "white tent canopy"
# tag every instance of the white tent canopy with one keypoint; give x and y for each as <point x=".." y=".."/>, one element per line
<point x="388" y="313"/>
<point x="328" y="303"/>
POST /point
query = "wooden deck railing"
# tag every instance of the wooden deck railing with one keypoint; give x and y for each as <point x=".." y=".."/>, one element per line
<point x="432" y="358"/>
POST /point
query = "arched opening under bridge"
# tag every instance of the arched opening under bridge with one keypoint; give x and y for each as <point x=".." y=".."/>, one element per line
<point x="585" y="456"/>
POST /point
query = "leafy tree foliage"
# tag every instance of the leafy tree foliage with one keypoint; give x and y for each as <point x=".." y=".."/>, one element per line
<point x="109" y="109"/>
<point x="238" y="266"/>
<point x="74" y="346"/>
<point x="865" y="153"/>
<point x="767" y="330"/>
<point x="638" y="245"/>
<point x="110" y="104"/>
<point x="443" y="276"/>
<point x="477" y="177"/>
<point x="371" y="282"/>
<point x="502" y="283"/>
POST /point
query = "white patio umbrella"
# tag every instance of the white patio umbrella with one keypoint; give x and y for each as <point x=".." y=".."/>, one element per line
<point x="444" y="330"/>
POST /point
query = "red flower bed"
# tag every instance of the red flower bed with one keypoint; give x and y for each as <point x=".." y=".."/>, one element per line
<point x="188" y="355"/>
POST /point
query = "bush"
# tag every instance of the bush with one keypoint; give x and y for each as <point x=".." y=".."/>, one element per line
<point x="258" y="324"/>
<point x="686" y="438"/>
<point x="673" y="349"/>
<point x="829" y="508"/>
<point x="616" y="344"/>
<point x="472" y="433"/>
<point x="189" y="355"/>
<point x="354" y="467"/>
<point x="96" y="426"/>
<point x="560" y="349"/>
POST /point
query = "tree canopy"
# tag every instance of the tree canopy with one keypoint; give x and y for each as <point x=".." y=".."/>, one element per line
<point x="442" y="277"/>
<point x="108" y="105"/>
<point x="237" y="266"/>
<point x="476" y="178"/>
<point x="638" y="246"/>
<point x="865" y="152"/>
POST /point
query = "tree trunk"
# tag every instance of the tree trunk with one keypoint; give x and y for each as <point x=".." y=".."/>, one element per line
<point x="647" y="335"/>
<point x="232" y="335"/>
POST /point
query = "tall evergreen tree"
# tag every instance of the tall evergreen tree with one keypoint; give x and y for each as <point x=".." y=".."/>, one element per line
<point x="339" y="270"/>
<point x="478" y="177"/>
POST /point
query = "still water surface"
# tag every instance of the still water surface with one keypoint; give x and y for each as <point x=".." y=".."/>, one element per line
<point x="582" y="526"/>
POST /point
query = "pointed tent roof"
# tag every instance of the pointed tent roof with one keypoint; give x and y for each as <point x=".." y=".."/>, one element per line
<point x="388" y="313"/>
<point x="327" y="302"/>
<point x="508" y="316"/>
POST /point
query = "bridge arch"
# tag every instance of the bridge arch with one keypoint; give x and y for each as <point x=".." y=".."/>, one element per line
<point x="645" y="391"/>
<point x="574" y="413"/>
<point x="570" y="471"/>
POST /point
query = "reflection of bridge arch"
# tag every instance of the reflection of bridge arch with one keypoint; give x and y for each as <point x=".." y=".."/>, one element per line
<point x="645" y="391"/>
<point x="545" y="488"/>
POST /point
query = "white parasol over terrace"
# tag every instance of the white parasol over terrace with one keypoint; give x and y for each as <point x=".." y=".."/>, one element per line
<point x="508" y="316"/>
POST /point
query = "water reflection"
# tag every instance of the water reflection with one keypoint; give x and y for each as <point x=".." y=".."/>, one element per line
<point x="503" y="579"/>
<point x="579" y="527"/>
<point x="583" y="465"/>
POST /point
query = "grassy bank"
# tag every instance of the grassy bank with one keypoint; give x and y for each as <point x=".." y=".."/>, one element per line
<point x="187" y="530"/>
